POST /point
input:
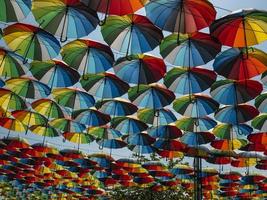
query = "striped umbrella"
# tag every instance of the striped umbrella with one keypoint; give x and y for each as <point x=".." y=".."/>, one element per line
<point x="195" y="123"/>
<point x="260" y="122"/>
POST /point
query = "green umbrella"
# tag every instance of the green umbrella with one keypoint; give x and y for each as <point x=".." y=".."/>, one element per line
<point x="260" y="122"/>
<point x="195" y="124"/>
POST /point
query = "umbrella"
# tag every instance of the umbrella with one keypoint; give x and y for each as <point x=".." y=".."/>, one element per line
<point x="189" y="50"/>
<point x="44" y="130"/>
<point x="195" y="105"/>
<point x="140" y="139"/>
<point x="261" y="102"/>
<point x="11" y="64"/>
<point x="260" y="122"/>
<point x="131" y="34"/>
<point x="128" y="125"/>
<point x="258" y="138"/>
<point x="195" y="124"/>
<point x="140" y="69"/>
<point x="104" y="85"/>
<point x="12" y="125"/>
<point x="65" y="18"/>
<point x="264" y="78"/>
<point x="67" y="125"/>
<point x="190" y="80"/>
<point x="54" y="73"/>
<point x="241" y="28"/>
<point x="78" y="137"/>
<point x="87" y="56"/>
<point x="228" y="144"/>
<point x="90" y="117"/>
<point x="235" y="92"/>
<point x="197" y="138"/>
<point x="181" y="16"/>
<point x="236" y="114"/>
<point x="28" y="87"/>
<point x="116" y="107"/>
<point x="111" y="143"/>
<point x="12" y="11"/>
<point x="154" y="96"/>
<point x="104" y="133"/>
<point x="157" y="117"/>
<point x="31" y="42"/>
<point x="169" y="144"/>
<point x="240" y="63"/>
<point x="165" y="132"/>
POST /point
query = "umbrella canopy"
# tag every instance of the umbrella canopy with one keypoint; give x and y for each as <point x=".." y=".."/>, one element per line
<point x="261" y="102"/>
<point x="169" y="144"/>
<point x="140" y="69"/>
<point x="240" y="63"/>
<point x="142" y="139"/>
<point x="12" y="124"/>
<point x="195" y="124"/>
<point x="241" y="28"/>
<point x="31" y="42"/>
<point x="154" y="96"/>
<point x="87" y="56"/>
<point x="260" y="122"/>
<point x="29" y="118"/>
<point x="67" y="125"/>
<point x="78" y="137"/>
<point x="104" y="133"/>
<point x="73" y="98"/>
<point x="10" y="100"/>
<point x="165" y="132"/>
<point x="104" y="85"/>
<point x="28" y="87"/>
<point x="197" y="138"/>
<point x="13" y="11"/>
<point x="46" y="131"/>
<point x="189" y="50"/>
<point x="181" y="16"/>
<point x="66" y="19"/>
<point x="190" y="80"/>
<point x="54" y="73"/>
<point x="228" y="144"/>
<point x="111" y="143"/>
<point x="131" y="34"/>
<point x="258" y="138"/>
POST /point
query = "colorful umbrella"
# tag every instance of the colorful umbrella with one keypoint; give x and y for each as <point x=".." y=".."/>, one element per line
<point x="12" y="125"/>
<point x="181" y="16"/>
<point x="140" y="69"/>
<point x="261" y="102"/>
<point x="31" y="42"/>
<point x="10" y="100"/>
<point x="73" y="98"/>
<point x="111" y="143"/>
<point x="13" y="11"/>
<point x="241" y="28"/>
<point x="260" y="122"/>
<point x="65" y="18"/>
<point x="230" y="92"/>
<point x="54" y="73"/>
<point x="258" y="138"/>
<point x="189" y="50"/>
<point x="195" y="105"/>
<point x="28" y="87"/>
<point x="131" y="34"/>
<point x="264" y="78"/>
<point x="195" y="124"/>
<point x="67" y="125"/>
<point x="157" y="117"/>
<point x="236" y="114"/>
<point x="104" y="133"/>
<point x="142" y="139"/>
<point x="116" y="107"/>
<point x="78" y="137"/>
<point x="154" y="96"/>
<point x="90" y="117"/>
<point x="228" y="144"/>
<point x="104" y="85"/>
<point x="240" y="63"/>
<point x="165" y="132"/>
<point x="197" y="138"/>
<point x="169" y="144"/>
<point x="87" y="56"/>
<point x="190" y="80"/>
<point x="46" y="131"/>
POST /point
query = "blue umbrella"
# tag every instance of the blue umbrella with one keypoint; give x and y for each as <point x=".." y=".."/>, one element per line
<point x="197" y="138"/>
<point x="165" y="132"/>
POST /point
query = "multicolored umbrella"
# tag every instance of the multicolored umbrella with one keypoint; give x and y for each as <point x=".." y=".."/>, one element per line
<point x="240" y="63"/>
<point x="78" y="137"/>
<point x="46" y="131"/>
<point x="241" y="28"/>
<point x="104" y="85"/>
<point x="66" y="19"/>
<point x="28" y="87"/>
<point x="264" y="78"/>
<point x="67" y="125"/>
<point x="258" y="138"/>
<point x="260" y="122"/>
<point x="261" y="102"/>
<point x="140" y="69"/>
<point x="181" y="16"/>
<point x="111" y="143"/>
<point x="131" y="34"/>
<point x="230" y="92"/>
<point x="10" y="100"/>
<point x="190" y="80"/>
<point x="54" y="73"/>
<point x="195" y="105"/>
<point x="154" y="96"/>
<point x="13" y="11"/>
<point x="165" y="132"/>
<point x="195" y="124"/>
<point x="236" y="114"/>
<point x="228" y="144"/>
<point x="12" y="125"/>
<point x="197" y="138"/>
<point x="31" y="42"/>
<point x="169" y="144"/>
<point x="142" y="139"/>
<point x="87" y="56"/>
<point x="73" y="98"/>
<point x="189" y="50"/>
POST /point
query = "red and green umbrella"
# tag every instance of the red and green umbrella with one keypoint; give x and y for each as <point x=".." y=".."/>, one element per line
<point x="230" y="92"/>
<point x="140" y="69"/>
<point x="66" y="19"/>
<point x="154" y="96"/>
<point x="195" y="124"/>
<point x="261" y="102"/>
<point x="54" y="73"/>
<point x="31" y="42"/>
<point x="131" y="34"/>
<point x="73" y="98"/>
<point x="13" y="11"/>
<point x="87" y="56"/>
<point x="182" y="16"/>
<point x="260" y="122"/>
<point x="190" y="80"/>
<point x="28" y="87"/>
<point x="241" y="28"/>
<point x="195" y="105"/>
<point x="189" y="50"/>
<point x="240" y="63"/>
<point x="104" y="85"/>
